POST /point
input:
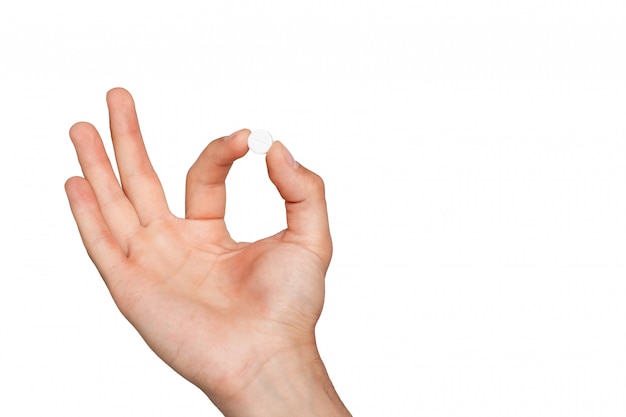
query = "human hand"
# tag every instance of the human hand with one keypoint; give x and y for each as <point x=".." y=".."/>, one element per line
<point x="236" y="319"/>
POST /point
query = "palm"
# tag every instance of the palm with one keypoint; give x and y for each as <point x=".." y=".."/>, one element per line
<point x="195" y="301"/>
<point x="191" y="291"/>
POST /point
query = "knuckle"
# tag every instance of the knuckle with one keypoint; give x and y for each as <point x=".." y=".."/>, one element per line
<point x="317" y="183"/>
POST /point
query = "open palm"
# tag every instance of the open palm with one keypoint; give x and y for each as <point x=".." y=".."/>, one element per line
<point x="214" y="309"/>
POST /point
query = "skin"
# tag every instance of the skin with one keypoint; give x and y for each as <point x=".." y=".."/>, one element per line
<point x="236" y="319"/>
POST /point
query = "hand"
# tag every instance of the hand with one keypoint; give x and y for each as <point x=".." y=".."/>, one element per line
<point x="236" y="319"/>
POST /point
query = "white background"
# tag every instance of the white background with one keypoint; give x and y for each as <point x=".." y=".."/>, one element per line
<point x="474" y="154"/>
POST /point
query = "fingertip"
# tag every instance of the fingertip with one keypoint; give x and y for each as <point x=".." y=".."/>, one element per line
<point x="70" y="182"/>
<point x="241" y="134"/>
<point x="76" y="187"/>
<point x="121" y="106"/>
<point x="230" y="148"/>
<point x="294" y="181"/>
<point x="118" y="93"/>
<point x="78" y="193"/>
<point x="237" y="144"/>
<point x="79" y="129"/>
<point x="279" y="157"/>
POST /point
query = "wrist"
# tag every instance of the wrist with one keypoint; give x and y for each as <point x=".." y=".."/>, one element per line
<point x="291" y="383"/>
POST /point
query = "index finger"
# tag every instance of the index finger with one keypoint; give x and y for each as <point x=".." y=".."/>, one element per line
<point x="205" y="196"/>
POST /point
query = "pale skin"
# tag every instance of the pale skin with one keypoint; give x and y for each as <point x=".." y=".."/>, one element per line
<point x="236" y="319"/>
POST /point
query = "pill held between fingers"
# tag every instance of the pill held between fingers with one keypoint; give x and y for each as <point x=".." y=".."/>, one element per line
<point x="260" y="141"/>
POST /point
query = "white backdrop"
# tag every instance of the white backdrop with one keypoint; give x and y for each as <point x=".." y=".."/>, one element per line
<point x="474" y="154"/>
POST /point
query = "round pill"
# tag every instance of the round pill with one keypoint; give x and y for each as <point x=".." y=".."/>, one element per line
<point x="260" y="141"/>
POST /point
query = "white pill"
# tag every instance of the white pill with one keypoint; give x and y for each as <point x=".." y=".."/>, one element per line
<point x="260" y="141"/>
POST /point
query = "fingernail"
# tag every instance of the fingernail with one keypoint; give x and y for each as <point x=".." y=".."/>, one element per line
<point x="289" y="158"/>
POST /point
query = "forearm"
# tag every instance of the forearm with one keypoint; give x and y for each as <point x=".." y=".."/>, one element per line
<point x="292" y="384"/>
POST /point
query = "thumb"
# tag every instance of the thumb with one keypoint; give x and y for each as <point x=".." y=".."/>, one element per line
<point x="305" y="203"/>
